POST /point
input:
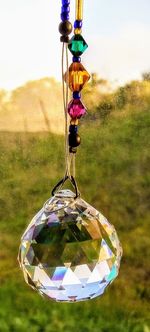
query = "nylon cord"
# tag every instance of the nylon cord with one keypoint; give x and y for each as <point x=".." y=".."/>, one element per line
<point x="65" y="102"/>
<point x="74" y="165"/>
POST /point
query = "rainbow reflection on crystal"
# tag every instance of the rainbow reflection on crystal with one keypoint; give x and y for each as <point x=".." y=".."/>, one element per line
<point x="69" y="252"/>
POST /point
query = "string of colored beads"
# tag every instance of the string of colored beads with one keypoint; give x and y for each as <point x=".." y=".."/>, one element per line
<point x="65" y="27"/>
<point x="78" y="76"/>
<point x="79" y="17"/>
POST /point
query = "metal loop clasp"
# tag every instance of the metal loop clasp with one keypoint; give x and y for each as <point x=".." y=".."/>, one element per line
<point x="60" y="184"/>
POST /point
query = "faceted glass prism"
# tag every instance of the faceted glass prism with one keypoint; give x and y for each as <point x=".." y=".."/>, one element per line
<point x="69" y="252"/>
<point x="76" y="109"/>
<point x="77" y="45"/>
<point x="78" y="76"/>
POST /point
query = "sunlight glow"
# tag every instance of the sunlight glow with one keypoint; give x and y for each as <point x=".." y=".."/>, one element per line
<point x="117" y="35"/>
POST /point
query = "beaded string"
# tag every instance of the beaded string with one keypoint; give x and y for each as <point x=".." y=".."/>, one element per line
<point x="79" y="13"/>
<point x="78" y="76"/>
<point x="75" y="77"/>
<point x="79" y="18"/>
<point x="65" y="29"/>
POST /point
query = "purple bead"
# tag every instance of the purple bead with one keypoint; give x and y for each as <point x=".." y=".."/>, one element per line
<point x="76" y="109"/>
<point x="78" y="24"/>
<point x="76" y="95"/>
<point x="64" y="17"/>
<point x="65" y="2"/>
<point x="65" y="9"/>
<point x="76" y="59"/>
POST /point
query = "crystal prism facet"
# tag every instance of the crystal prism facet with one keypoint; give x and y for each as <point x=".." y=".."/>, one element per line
<point x="77" y="45"/>
<point x="76" y="109"/>
<point x="69" y="252"/>
<point x="78" y="76"/>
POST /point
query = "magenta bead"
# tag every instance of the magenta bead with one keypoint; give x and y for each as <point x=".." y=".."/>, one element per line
<point x="76" y="109"/>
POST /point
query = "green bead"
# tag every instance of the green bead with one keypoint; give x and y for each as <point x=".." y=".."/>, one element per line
<point x="77" y="45"/>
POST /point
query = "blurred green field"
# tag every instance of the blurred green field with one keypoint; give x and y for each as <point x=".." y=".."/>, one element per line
<point x="113" y="175"/>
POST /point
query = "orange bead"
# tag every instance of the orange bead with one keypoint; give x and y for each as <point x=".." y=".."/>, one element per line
<point x="78" y="76"/>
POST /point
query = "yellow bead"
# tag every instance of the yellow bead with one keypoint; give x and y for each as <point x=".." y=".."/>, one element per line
<point x="78" y="76"/>
<point x="74" y="122"/>
<point x="77" y="31"/>
<point x="79" y="10"/>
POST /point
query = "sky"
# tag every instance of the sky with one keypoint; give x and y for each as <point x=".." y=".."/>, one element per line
<point x="117" y="32"/>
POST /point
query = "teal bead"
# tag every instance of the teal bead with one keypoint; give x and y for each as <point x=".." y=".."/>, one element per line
<point x="77" y="45"/>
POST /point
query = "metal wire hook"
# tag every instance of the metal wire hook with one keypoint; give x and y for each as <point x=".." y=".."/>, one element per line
<point x="61" y="183"/>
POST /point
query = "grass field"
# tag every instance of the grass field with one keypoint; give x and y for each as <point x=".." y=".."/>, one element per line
<point x="113" y="175"/>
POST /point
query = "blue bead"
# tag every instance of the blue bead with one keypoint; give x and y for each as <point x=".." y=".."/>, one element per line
<point x="73" y="129"/>
<point x="64" y="16"/>
<point x="76" y="95"/>
<point x="76" y="59"/>
<point x="78" y="24"/>
<point x="65" y="9"/>
<point x="65" y="2"/>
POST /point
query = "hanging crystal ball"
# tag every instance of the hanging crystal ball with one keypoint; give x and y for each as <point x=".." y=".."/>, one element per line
<point x="69" y="252"/>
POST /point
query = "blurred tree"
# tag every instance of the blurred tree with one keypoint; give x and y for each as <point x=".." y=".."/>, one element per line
<point x="95" y="92"/>
<point x="146" y="76"/>
<point x="2" y="95"/>
<point x="96" y="81"/>
<point x="120" y="98"/>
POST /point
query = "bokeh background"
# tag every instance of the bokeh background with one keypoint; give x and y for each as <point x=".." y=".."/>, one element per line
<point x="112" y="163"/>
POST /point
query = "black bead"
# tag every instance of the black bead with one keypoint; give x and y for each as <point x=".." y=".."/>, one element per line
<point x="72" y="150"/>
<point x="65" y="28"/>
<point x="74" y="140"/>
<point x="64" y="39"/>
<point x="73" y="129"/>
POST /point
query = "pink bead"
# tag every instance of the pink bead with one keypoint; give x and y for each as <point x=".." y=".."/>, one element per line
<point x="76" y="109"/>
